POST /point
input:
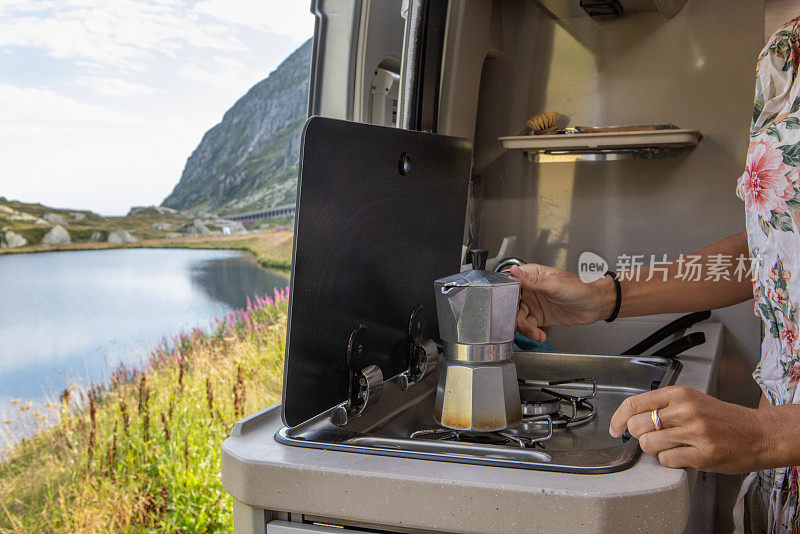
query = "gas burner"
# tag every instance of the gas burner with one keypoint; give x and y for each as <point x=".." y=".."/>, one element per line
<point x="543" y="409"/>
<point x="522" y="435"/>
<point x="535" y="401"/>
<point x="565" y="409"/>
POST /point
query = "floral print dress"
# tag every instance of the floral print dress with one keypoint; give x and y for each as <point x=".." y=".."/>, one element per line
<point x="770" y="189"/>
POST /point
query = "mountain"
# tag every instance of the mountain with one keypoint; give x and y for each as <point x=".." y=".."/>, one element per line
<point x="248" y="161"/>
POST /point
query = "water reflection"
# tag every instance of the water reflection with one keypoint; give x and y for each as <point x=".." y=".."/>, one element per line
<point x="74" y="314"/>
<point x="230" y="280"/>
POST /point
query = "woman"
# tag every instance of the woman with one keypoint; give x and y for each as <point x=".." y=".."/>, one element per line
<point x="681" y="426"/>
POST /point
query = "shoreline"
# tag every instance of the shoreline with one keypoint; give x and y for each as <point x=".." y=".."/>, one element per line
<point x="270" y="250"/>
<point x="130" y="454"/>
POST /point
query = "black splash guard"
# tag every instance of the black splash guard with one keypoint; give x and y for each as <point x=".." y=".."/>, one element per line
<point x="369" y="242"/>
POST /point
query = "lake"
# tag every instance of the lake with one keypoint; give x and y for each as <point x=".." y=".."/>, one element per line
<point x="73" y="315"/>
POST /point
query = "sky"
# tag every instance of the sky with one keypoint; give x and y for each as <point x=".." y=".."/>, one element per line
<point x="102" y="101"/>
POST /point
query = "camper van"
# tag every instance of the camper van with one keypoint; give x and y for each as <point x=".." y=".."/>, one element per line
<point x="448" y="141"/>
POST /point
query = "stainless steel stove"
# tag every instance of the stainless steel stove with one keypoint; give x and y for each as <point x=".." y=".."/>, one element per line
<point x="362" y="367"/>
<point x="565" y="426"/>
<point x="362" y="358"/>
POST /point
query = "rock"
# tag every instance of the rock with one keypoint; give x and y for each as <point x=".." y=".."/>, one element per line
<point x="13" y="240"/>
<point x="55" y="218"/>
<point x="24" y="217"/>
<point x="161" y="226"/>
<point x="197" y="227"/>
<point x="225" y="174"/>
<point x="235" y="226"/>
<point x="78" y="216"/>
<point x="121" y="237"/>
<point x="147" y="210"/>
<point x="135" y="210"/>
<point x="173" y="235"/>
<point x="200" y="227"/>
<point x="96" y="237"/>
<point x="11" y="214"/>
<point x="56" y="236"/>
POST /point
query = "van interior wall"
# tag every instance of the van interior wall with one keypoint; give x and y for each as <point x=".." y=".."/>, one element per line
<point x="695" y="70"/>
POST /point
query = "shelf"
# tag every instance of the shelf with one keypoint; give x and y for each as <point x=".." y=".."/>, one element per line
<point x="603" y="141"/>
<point x="604" y="146"/>
<point x="572" y="10"/>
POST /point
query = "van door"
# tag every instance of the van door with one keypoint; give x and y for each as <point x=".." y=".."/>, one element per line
<point x="358" y="50"/>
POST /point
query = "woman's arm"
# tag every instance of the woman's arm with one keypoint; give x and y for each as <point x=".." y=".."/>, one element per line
<point x="781" y="430"/>
<point x="673" y="294"/>
<point x="552" y="296"/>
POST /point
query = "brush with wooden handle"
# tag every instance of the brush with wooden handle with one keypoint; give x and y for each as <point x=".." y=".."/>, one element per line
<point x="543" y="123"/>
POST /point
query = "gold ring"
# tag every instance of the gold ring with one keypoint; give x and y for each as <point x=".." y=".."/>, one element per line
<point x="656" y="419"/>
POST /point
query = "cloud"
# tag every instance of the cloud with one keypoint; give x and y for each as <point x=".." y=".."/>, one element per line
<point x="110" y="86"/>
<point x="91" y="158"/>
<point x="36" y="111"/>
<point x="218" y="70"/>
<point x="282" y="17"/>
<point x="117" y="33"/>
<point x="185" y="62"/>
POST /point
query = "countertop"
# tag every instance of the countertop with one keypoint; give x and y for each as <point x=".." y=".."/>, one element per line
<point x="425" y="495"/>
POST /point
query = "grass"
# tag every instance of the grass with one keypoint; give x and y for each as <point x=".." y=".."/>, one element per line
<point x="143" y="452"/>
<point x="273" y="250"/>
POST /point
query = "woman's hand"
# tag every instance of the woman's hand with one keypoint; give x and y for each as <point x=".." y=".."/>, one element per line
<point x="553" y="297"/>
<point x="698" y="431"/>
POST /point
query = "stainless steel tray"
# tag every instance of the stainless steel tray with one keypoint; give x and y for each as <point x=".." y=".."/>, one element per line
<point x="384" y="429"/>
